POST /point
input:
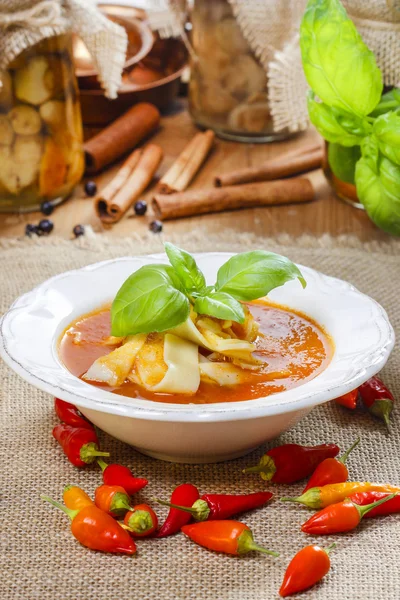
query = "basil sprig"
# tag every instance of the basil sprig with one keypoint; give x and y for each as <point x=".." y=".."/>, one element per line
<point x="347" y="107"/>
<point x="158" y="297"/>
<point x="151" y="299"/>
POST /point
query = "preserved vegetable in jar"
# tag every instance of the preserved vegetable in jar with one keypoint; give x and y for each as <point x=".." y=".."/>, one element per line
<point x="41" y="151"/>
<point x="228" y="89"/>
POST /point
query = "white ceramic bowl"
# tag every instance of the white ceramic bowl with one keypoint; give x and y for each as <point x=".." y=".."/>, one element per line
<point x="30" y="331"/>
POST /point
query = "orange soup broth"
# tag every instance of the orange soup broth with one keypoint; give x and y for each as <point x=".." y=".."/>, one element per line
<point x="293" y="347"/>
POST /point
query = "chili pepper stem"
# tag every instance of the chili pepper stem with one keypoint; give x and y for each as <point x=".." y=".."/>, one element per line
<point x="258" y="548"/>
<point x="187" y="509"/>
<point x="266" y="468"/>
<point x="140" y="521"/>
<point x="330" y="548"/>
<point x="246" y="543"/>
<point x="386" y="420"/>
<point x="68" y="511"/>
<point x="345" y="456"/>
<point x="363" y="510"/>
<point x="89" y="451"/>
<point x="102" y="464"/>
<point x="120" y="503"/>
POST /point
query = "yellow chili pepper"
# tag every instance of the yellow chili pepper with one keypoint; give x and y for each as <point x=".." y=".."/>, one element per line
<point x="320" y="497"/>
<point x="75" y="498"/>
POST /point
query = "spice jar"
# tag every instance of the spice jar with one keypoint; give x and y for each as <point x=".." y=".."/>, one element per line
<point x="41" y="152"/>
<point x="339" y="165"/>
<point x="228" y="85"/>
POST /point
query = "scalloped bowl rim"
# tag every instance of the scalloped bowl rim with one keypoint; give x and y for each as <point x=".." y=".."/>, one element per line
<point x="303" y="397"/>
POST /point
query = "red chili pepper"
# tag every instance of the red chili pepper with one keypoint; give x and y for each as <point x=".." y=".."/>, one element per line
<point x="69" y="414"/>
<point x="387" y="508"/>
<point x="112" y="499"/>
<point x="119" y="475"/>
<point x="291" y="462"/>
<point x="183" y="495"/>
<point x="348" y="400"/>
<point x="377" y="399"/>
<point x="212" y="507"/>
<point x="230" y="537"/>
<point x="331" y="470"/>
<point x="80" y="445"/>
<point x="339" y="518"/>
<point x="141" y="521"/>
<point x="305" y="569"/>
<point x="96" y="530"/>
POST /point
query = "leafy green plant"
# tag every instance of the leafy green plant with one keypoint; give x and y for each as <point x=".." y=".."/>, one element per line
<point x="158" y="297"/>
<point x="347" y="107"/>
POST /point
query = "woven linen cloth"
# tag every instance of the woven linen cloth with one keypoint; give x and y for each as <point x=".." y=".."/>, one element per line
<point x="24" y="23"/>
<point x="39" y="558"/>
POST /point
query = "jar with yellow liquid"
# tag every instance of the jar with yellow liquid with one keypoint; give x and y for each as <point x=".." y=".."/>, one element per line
<point x="41" y="149"/>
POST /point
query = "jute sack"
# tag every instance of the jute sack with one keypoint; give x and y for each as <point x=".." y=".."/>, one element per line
<point x="24" y="23"/>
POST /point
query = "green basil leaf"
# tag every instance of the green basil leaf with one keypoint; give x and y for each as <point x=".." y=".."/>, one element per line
<point x="186" y="268"/>
<point x="151" y="299"/>
<point x="324" y="120"/>
<point x="387" y="132"/>
<point x="338" y="66"/>
<point x="378" y="187"/>
<point x="389" y="101"/>
<point x="221" y="306"/>
<point x="342" y="161"/>
<point x="252" y="275"/>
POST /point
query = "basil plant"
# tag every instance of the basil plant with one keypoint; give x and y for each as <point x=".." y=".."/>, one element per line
<point x="347" y="107"/>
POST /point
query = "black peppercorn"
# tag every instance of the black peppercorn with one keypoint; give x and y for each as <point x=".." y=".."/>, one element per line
<point x="156" y="226"/>
<point x="46" y="226"/>
<point x="140" y="207"/>
<point x="78" y="230"/>
<point x="31" y="229"/>
<point x="90" y="188"/>
<point x="47" y="208"/>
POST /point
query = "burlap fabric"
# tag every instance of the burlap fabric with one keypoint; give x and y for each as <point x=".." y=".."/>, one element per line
<point x="24" y="23"/>
<point x="39" y="558"/>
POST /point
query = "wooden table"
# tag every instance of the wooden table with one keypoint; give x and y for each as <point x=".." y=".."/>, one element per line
<point x="326" y="214"/>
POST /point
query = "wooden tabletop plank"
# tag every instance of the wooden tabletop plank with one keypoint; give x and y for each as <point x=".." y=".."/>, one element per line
<point x="326" y="214"/>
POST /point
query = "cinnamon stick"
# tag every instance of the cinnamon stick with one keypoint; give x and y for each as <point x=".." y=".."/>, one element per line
<point x="121" y="136"/>
<point x="188" y="163"/>
<point x="276" y="168"/>
<point x="197" y="202"/>
<point x="131" y="180"/>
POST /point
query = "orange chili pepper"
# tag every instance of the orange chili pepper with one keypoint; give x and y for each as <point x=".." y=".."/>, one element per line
<point x="230" y="537"/>
<point x="339" y="518"/>
<point x="348" y="400"/>
<point x="305" y="569"/>
<point x="96" y="530"/>
<point x="331" y="470"/>
<point x="320" y="497"/>
<point x="112" y="499"/>
<point x="141" y="521"/>
<point x="75" y="498"/>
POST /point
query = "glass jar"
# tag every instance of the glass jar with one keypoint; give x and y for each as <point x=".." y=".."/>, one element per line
<point x="41" y="150"/>
<point x="339" y="165"/>
<point x="228" y="85"/>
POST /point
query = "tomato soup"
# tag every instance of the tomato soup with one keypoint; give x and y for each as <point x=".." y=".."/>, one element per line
<point x="293" y="348"/>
